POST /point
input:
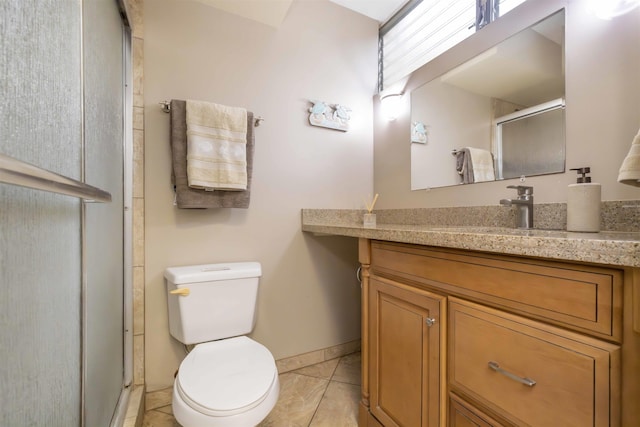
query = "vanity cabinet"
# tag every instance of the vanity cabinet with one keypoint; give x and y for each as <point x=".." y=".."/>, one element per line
<point x="406" y="354"/>
<point x="512" y="341"/>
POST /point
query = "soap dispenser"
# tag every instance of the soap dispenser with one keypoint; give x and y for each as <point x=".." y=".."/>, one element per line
<point x="583" y="203"/>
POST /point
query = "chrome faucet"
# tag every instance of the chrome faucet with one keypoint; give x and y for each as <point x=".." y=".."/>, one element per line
<point x="524" y="203"/>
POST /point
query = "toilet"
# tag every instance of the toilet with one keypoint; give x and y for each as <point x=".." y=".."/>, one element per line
<point x="228" y="379"/>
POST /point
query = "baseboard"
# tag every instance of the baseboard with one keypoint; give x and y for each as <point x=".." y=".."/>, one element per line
<point x="307" y="359"/>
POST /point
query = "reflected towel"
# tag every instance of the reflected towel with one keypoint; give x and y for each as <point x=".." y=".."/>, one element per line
<point x="463" y="165"/>
<point x="482" y="164"/>
<point x="630" y="170"/>
<point x="190" y="198"/>
<point x="216" y="146"/>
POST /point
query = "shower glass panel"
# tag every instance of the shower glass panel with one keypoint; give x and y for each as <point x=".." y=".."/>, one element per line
<point x="103" y="240"/>
<point x="63" y="98"/>
<point x="532" y="145"/>
<point x="40" y="232"/>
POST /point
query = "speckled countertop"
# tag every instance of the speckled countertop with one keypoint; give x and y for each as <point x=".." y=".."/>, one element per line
<point x="620" y="248"/>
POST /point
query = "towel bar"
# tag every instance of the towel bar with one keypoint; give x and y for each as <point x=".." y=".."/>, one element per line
<point x="166" y="107"/>
<point x="16" y="172"/>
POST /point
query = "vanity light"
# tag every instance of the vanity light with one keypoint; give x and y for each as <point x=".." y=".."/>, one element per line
<point x="607" y="9"/>
<point x="391" y="105"/>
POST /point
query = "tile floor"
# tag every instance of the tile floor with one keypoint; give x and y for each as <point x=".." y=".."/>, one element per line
<point x="321" y="395"/>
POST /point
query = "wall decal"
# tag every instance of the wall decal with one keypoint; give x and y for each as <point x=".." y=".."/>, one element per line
<point x="332" y="116"/>
<point x="419" y="133"/>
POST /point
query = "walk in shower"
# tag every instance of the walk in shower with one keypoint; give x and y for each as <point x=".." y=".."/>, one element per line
<point x="65" y="270"/>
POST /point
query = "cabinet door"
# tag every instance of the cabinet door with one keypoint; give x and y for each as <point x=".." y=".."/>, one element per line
<point x="406" y="373"/>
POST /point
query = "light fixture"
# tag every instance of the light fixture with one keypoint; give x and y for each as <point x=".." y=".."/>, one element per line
<point x="607" y="9"/>
<point x="630" y="169"/>
<point x="391" y="105"/>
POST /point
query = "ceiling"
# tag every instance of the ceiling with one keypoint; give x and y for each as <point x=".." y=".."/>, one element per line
<point x="380" y="10"/>
<point x="273" y="12"/>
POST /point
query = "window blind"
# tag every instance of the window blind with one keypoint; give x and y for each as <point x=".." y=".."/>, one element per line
<point x="430" y="28"/>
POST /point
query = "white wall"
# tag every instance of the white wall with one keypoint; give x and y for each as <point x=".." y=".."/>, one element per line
<point x="602" y="116"/>
<point x="309" y="297"/>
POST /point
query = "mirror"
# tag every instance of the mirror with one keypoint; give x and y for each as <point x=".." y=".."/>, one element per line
<point x="500" y="115"/>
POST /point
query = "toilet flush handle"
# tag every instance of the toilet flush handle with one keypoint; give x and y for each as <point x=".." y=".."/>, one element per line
<point x="183" y="292"/>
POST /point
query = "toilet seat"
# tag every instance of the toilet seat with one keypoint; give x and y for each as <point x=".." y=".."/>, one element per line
<point x="226" y="377"/>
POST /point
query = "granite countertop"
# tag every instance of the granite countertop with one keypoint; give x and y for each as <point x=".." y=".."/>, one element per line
<point x="606" y="247"/>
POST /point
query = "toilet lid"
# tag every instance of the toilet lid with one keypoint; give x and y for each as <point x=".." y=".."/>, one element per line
<point x="226" y="377"/>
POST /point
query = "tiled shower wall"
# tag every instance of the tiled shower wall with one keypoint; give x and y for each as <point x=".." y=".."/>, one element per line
<point x="135" y="410"/>
<point x="135" y="10"/>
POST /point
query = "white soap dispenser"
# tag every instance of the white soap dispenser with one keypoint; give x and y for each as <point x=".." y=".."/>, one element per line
<point x="583" y="203"/>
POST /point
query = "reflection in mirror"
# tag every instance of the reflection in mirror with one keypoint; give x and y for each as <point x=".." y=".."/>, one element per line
<point x="530" y="141"/>
<point x="499" y="115"/>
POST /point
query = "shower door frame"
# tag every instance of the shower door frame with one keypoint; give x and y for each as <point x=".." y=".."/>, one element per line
<point x="121" y="409"/>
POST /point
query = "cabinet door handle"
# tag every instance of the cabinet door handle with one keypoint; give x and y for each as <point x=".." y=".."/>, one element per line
<point x="430" y="321"/>
<point x="526" y="381"/>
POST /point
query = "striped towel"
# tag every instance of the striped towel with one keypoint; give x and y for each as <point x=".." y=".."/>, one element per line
<point x="482" y="164"/>
<point x="216" y="146"/>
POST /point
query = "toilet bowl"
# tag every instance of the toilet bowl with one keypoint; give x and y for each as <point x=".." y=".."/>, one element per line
<point x="231" y="382"/>
<point x="228" y="379"/>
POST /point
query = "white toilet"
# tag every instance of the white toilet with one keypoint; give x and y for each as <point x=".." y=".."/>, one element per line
<point x="227" y="379"/>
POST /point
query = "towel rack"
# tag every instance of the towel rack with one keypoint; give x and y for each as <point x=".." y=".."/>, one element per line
<point x="16" y="172"/>
<point x="166" y="107"/>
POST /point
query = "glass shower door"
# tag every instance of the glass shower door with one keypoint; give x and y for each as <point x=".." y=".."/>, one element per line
<point x="63" y="263"/>
<point x="104" y="106"/>
<point x="40" y="237"/>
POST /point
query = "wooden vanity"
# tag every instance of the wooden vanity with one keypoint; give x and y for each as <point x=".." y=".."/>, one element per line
<point x="491" y="326"/>
<point x="459" y="338"/>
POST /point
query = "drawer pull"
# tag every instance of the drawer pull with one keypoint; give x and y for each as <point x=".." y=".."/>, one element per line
<point x="526" y="381"/>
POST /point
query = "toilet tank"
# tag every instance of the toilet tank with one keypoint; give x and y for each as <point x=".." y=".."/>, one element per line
<point x="221" y="300"/>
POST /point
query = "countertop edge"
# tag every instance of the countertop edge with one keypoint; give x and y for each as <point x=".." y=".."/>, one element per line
<point x="608" y="248"/>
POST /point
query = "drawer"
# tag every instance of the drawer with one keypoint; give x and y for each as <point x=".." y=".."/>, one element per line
<point x="571" y="379"/>
<point x="462" y="414"/>
<point x="582" y="298"/>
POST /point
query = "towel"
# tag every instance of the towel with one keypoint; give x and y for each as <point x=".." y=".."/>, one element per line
<point x="463" y="165"/>
<point x="630" y="170"/>
<point x="474" y="165"/>
<point x="190" y="198"/>
<point x="482" y="164"/>
<point x="216" y="146"/>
